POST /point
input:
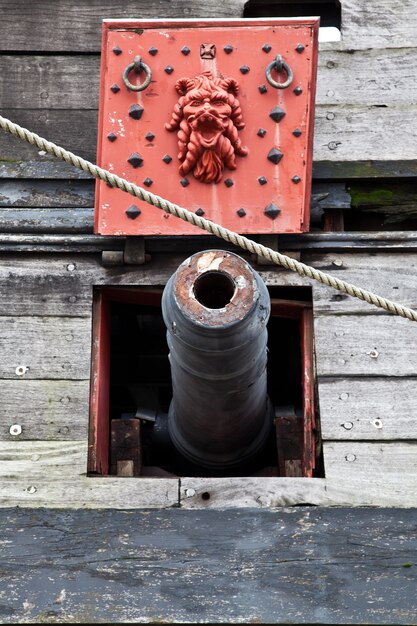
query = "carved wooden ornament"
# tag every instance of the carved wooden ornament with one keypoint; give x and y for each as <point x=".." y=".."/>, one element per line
<point x="213" y="116"/>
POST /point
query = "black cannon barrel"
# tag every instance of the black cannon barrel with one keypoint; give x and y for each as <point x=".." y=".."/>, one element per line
<point x="215" y="308"/>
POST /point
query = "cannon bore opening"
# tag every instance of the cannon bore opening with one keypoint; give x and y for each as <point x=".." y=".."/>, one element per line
<point x="214" y="290"/>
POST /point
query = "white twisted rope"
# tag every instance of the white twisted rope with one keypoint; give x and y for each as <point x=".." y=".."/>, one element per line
<point x="204" y="224"/>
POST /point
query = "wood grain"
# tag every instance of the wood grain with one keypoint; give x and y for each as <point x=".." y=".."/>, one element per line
<point x="41" y="193"/>
<point x="375" y="345"/>
<point x="377" y="409"/>
<point x="45" y="409"/>
<point x="49" y="347"/>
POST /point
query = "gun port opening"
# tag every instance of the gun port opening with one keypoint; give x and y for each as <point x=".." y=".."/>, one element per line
<point x="214" y="290"/>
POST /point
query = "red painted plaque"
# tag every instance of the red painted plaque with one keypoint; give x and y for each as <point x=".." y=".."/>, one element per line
<point x="214" y="116"/>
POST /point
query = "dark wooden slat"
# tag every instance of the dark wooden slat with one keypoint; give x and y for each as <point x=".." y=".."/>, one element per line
<point x="53" y="220"/>
<point x="46" y="168"/>
<point x="303" y="565"/>
<point x="62" y="25"/>
<point x="42" y="193"/>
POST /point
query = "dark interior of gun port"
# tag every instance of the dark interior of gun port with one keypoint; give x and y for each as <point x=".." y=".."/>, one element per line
<point x="214" y="290"/>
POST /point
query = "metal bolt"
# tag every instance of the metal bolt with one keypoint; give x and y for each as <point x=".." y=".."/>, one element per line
<point x="15" y="430"/>
<point x="267" y="47"/>
<point x="207" y="51"/>
<point x="350" y="457"/>
<point x="277" y="114"/>
<point x="296" y="179"/>
<point x="169" y="69"/>
<point x="244" y="69"/>
<point x="167" y="159"/>
<point x="111" y="137"/>
<point x="299" y="48"/>
<point x="189" y="493"/>
<point x="153" y="51"/>
<point x="148" y="182"/>
<point x="135" y="160"/>
<point x="229" y="182"/>
<point x="298" y="91"/>
<point x="71" y="267"/>
<point x="262" y="89"/>
<point x="228" y="48"/>
<point x="72" y="299"/>
<point x="344" y="396"/>
<point x="149" y="136"/>
<point x="297" y="132"/>
<point x="330" y="116"/>
<point x="377" y="423"/>
<point x="272" y="211"/>
<point x="374" y="354"/>
<point x="347" y="425"/>
<point x="333" y="145"/>
<point x="184" y="182"/>
<point x="31" y="489"/>
<point x="21" y="370"/>
<point x="331" y="64"/>
<point x="117" y="50"/>
<point x="185" y="50"/>
<point x="115" y="88"/>
<point x="261" y="132"/>
<point x="199" y="212"/>
<point x="337" y="262"/>
<point x="274" y="156"/>
<point x="136" y="111"/>
<point x="133" y="212"/>
<point x="262" y="180"/>
<point x="241" y="212"/>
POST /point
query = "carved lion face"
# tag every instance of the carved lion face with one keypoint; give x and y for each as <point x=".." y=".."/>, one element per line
<point x="207" y="117"/>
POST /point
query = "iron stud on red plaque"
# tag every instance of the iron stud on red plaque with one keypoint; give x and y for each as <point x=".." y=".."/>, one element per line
<point x="212" y="116"/>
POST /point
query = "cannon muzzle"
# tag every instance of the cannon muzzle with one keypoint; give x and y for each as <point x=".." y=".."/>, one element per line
<point x="215" y="308"/>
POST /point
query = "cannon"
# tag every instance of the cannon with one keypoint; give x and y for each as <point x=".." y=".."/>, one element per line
<point x="215" y="308"/>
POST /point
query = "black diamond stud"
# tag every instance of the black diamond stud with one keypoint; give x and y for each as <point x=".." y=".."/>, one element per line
<point x="153" y="51"/>
<point x="167" y="158"/>
<point x="111" y="137"/>
<point x="133" y="212"/>
<point x="117" y="50"/>
<point x="262" y="180"/>
<point x="115" y="88"/>
<point x="149" y="136"/>
<point x="296" y="179"/>
<point x="274" y="156"/>
<point x="228" y="48"/>
<point x="298" y="91"/>
<point x="267" y="47"/>
<point x="184" y="182"/>
<point x="277" y="114"/>
<point x="185" y="50"/>
<point x="136" y="111"/>
<point x="297" y="132"/>
<point x="272" y="211"/>
<point x="169" y="69"/>
<point x="135" y="160"/>
<point x="229" y="182"/>
<point x="244" y="69"/>
<point x="241" y="212"/>
<point x="262" y="89"/>
<point x="148" y="182"/>
<point x="199" y="212"/>
<point x="300" y="48"/>
<point x="261" y="132"/>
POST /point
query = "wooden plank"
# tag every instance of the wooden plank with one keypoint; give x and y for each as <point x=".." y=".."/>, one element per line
<point x="45" y="347"/>
<point x="65" y="26"/>
<point x="50" y="220"/>
<point x="44" y="409"/>
<point x="226" y="493"/>
<point x="41" y="193"/>
<point x="289" y="566"/>
<point x="377" y="409"/>
<point x="373" y="345"/>
<point x="394" y="461"/>
<point x="45" y="167"/>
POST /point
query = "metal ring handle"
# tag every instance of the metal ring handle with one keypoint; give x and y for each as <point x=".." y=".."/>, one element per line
<point x="278" y="64"/>
<point x="138" y="65"/>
